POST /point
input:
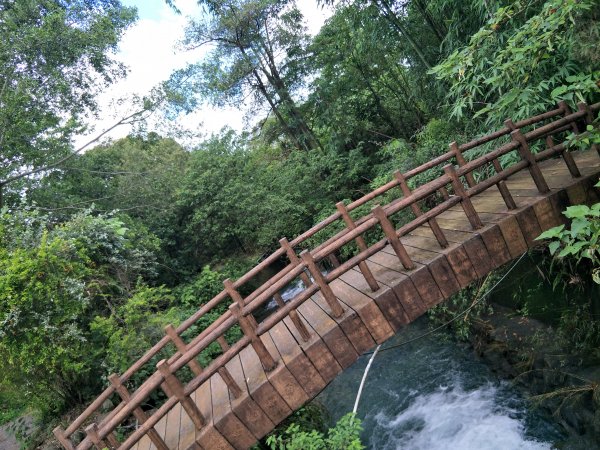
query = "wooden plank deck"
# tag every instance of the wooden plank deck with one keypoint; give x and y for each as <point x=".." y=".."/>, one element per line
<point x="370" y="317"/>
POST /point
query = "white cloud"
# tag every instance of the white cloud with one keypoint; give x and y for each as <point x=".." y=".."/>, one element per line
<point x="150" y="50"/>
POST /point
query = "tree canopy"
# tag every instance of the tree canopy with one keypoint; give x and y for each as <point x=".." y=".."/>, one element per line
<point x="55" y="56"/>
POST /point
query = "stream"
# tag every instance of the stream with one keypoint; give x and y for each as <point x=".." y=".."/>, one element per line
<point x="435" y="394"/>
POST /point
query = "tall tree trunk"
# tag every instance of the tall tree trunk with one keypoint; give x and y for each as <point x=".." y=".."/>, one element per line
<point x="382" y="111"/>
<point x="272" y="73"/>
<point x="435" y="27"/>
<point x="287" y="129"/>
<point x="389" y="13"/>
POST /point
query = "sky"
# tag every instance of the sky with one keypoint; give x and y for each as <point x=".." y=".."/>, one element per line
<point x="150" y="51"/>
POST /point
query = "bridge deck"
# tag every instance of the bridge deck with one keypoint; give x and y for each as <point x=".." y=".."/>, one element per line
<point x="305" y="368"/>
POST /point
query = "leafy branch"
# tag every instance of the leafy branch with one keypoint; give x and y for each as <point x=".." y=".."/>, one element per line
<point x="582" y="240"/>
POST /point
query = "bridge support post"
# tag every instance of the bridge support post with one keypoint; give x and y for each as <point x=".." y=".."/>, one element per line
<point x="295" y="318"/>
<point x="294" y="260"/>
<point x="249" y="329"/>
<point x="330" y="298"/>
<point x="527" y="156"/>
<point x="566" y="111"/>
<point x="291" y="254"/>
<point x="248" y="325"/>
<point x="182" y="348"/>
<point x="92" y="432"/>
<point x="465" y="201"/>
<point x="392" y="237"/>
<point x="460" y="159"/>
<point x="178" y="391"/>
<point x="138" y="412"/>
<point x="237" y="298"/>
<point x="444" y="193"/>
<point x="64" y="441"/>
<point x="506" y="195"/>
<point x="223" y="343"/>
<point x="234" y="388"/>
<point x="362" y="245"/>
<point x="416" y="209"/>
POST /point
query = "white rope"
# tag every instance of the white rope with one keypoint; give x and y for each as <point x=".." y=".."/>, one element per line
<point x="364" y="378"/>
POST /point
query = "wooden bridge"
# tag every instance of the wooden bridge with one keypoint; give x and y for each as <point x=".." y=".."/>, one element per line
<point x="465" y="221"/>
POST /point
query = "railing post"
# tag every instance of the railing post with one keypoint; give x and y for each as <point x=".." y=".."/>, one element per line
<point x="291" y="254"/>
<point x="571" y="164"/>
<point x="506" y="195"/>
<point x="362" y="246"/>
<point x="237" y="298"/>
<point x="392" y="237"/>
<point x="223" y="343"/>
<point x="566" y="154"/>
<point x="527" y="156"/>
<point x="248" y="325"/>
<point x="566" y="111"/>
<point x="444" y="193"/>
<point x="92" y="432"/>
<point x="465" y="201"/>
<point x="249" y="330"/>
<point x="182" y="348"/>
<point x="503" y="188"/>
<point x="330" y="298"/>
<point x="333" y="260"/>
<point x="178" y="391"/>
<point x="295" y="318"/>
<point x="416" y="209"/>
<point x="138" y="412"/>
<point x="59" y="433"/>
<point x="589" y="119"/>
<point x="234" y="388"/>
<point x="460" y="159"/>
<point x="197" y="368"/>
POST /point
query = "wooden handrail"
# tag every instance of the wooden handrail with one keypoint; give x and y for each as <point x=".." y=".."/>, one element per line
<point x="354" y="230"/>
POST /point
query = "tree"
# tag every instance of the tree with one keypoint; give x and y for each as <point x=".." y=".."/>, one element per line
<point x="524" y="60"/>
<point x="258" y="50"/>
<point x="136" y="176"/>
<point x="362" y="92"/>
<point x="54" y="59"/>
<point x="54" y="280"/>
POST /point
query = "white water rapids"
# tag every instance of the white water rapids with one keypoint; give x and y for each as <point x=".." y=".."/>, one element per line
<point x="434" y="394"/>
<point x="452" y="418"/>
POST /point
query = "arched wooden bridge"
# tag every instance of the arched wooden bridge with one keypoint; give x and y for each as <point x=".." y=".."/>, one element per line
<point x="466" y="221"/>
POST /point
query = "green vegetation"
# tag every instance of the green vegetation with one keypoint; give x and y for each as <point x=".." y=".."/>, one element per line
<point x="581" y="242"/>
<point x="99" y="250"/>
<point x="345" y="435"/>
<point x="576" y="262"/>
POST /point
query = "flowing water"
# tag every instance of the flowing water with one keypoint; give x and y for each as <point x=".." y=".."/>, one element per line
<point x="435" y="394"/>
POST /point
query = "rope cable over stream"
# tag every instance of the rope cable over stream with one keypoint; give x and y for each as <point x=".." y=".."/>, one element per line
<point x="434" y="330"/>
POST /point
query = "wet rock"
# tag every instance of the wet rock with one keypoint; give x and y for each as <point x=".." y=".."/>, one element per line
<point x="107" y="406"/>
<point x="504" y="341"/>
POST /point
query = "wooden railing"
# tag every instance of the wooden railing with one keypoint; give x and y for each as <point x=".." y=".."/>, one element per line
<point x="241" y="311"/>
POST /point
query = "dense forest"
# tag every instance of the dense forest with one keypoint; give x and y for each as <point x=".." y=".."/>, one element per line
<point x="101" y="247"/>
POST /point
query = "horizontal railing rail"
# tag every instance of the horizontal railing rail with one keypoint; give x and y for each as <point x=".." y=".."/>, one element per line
<point x="304" y="268"/>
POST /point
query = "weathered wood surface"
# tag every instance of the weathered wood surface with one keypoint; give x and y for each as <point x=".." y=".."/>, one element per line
<point x="305" y="367"/>
<point x="283" y="360"/>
